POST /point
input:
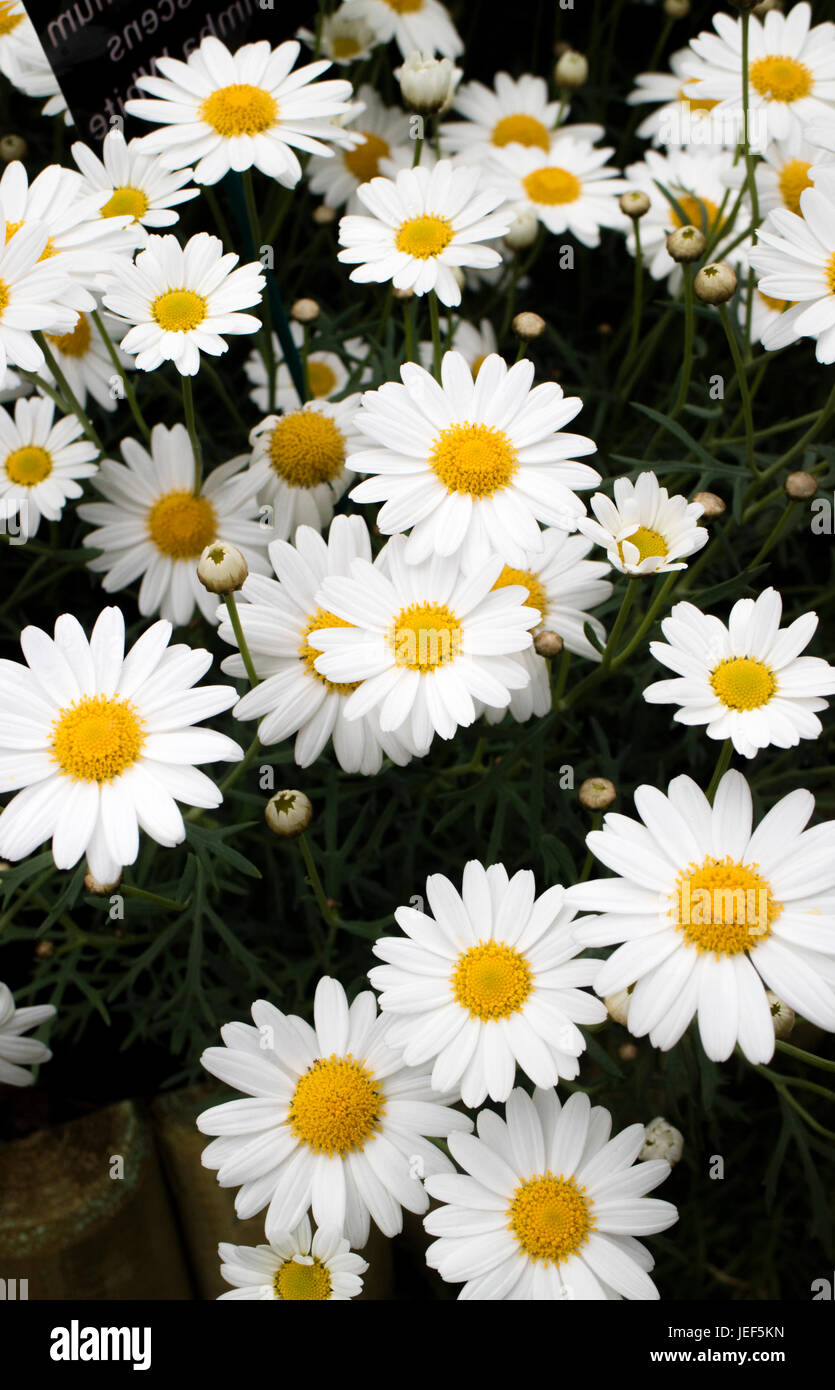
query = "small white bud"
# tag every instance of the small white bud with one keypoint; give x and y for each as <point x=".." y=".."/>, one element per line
<point x="781" y="1015"/>
<point x="222" y="568"/>
<point x="662" y="1140"/>
<point x="288" y="814"/>
<point x="528" y="326"/>
<point x="571" y="70"/>
<point x="305" y="311"/>
<point x="617" y="1005"/>
<point x="428" y="84"/>
<point x="522" y="231"/>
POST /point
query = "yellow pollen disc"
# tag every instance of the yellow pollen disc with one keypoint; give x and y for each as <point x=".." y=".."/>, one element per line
<point x="696" y="103"/>
<point x="698" y="212"/>
<point x="476" y="459"/>
<point x="76" y="343"/>
<point x="322" y="618"/>
<point x="364" y="161"/>
<point x="830" y="277"/>
<point x="321" y="379"/>
<point x="491" y="980"/>
<point x="8" y="19"/>
<point x="550" y="1217"/>
<point x="307" y="449"/>
<point x="126" y="200"/>
<point x="49" y="250"/>
<point x="520" y="130"/>
<point x="182" y="525"/>
<point x="648" y="543"/>
<point x="792" y="179"/>
<point x="5" y="296"/>
<point x="477" y="365"/>
<point x="96" y="738"/>
<point x="723" y="906"/>
<point x="336" y="1107"/>
<point x="239" y="109"/>
<point x="423" y="237"/>
<point x="302" y="1281"/>
<point x="28" y="465"/>
<point x="552" y="186"/>
<point x="425" y="636"/>
<point x="779" y="305"/>
<point x="780" y="78"/>
<point x="742" y="683"/>
<point x="179" y="311"/>
<point x="536" y="589"/>
<point x="405" y="6"/>
<point x="345" y="48"/>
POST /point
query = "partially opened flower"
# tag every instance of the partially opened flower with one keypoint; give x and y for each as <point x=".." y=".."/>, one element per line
<point x="134" y="182"/>
<point x="18" y="1054"/>
<point x="41" y="462"/>
<point x="295" y="1266"/>
<point x="549" y="1206"/>
<point x="645" y="531"/>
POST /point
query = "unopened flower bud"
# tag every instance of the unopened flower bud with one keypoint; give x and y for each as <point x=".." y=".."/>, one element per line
<point x="662" y="1140"/>
<point x="522" y="231"/>
<point x="12" y="147"/>
<point x="635" y="203"/>
<point x="323" y="215"/>
<point x="677" y="9"/>
<point x="715" y="283"/>
<point x="548" y="644"/>
<point x="528" y="326"/>
<point x="617" y="1004"/>
<point x="288" y="814"/>
<point x="222" y="568"/>
<point x="686" y="244"/>
<point x="800" y="486"/>
<point x="305" y="311"/>
<point x="711" y="505"/>
<point x="597" y="793"/>
<point x="44" y="950"/>
<point x="403" y="294"/>
<point x="428" y="84"/>
<point x="627" y="1052"/>
<point x="571" y="70"/>
<point x="100" y="890"/>
<point x="781" y="1015"/>
<point x="763" y="6"/>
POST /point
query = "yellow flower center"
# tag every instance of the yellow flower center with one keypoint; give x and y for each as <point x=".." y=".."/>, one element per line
<point x="536" y="589"/>
<point x="647" y="543"/>
<point x="322" y="618"/>
<point x="28" y="465"/>
<point x="550" y="1217"/>
<point x="405" y="6"/>
<point x="552" y="186"/>
<point x="491" y="980"/>
<point x="830" y="278"/>
<point x="97" y="737"/>
<point x="478" y="364"/>
<point x="423" y="237"/>
<point x="698" y="212"/>
<point x="742" y="683"/>
<point x="723" y="906"/>
<point x="302" y="1281"/>
<point x="792" y="179"/>
<point x="5" y="297"/>
<point x="426" y="635"/>
<point x="239" y="109"/>
<point x="321" y="379"/>
<point x="696" y="103"/>
<point x="520" y="130"/>
<point x="779" y="305"/>
<point x="477" y="459"/>
<point x="182" y="525"/>
<point x="76" y="343"/>
<point x="49" y="250"/>
<point x="126" y="200"/>
<point x="780" y="78"/>
<point x="336" y="1107"/>
<point x="179" y="311"/>
<point x="345" y="47"/>
<point x="307" y="449"/>
<point x="364" y="161"/>
<point x="9" y="20"/>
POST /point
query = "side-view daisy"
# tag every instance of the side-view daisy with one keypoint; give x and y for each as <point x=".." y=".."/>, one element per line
<point x="549" y="1206"/>
<point x="795" y="260"/>
<point x="413" y="24"/>
<point x="472" y="466"/>
<point x="680" y="117"/>
<point x="153" y="524"/>
<point x="487" y="983"/>
<point x="334" y="1120"/>
<point x="710" y="911"/>
<point x="220" y="110"/>
<point x="135" y="182"/>
<point x="344" y="38"/>
<point x="747" y="681"/>
<point x="18" y="1054"/>
<point x="424" y="224"/>
<point x="644" y="530"/>
<point x="569" y="186"/>
<point x="302" y="456"/>
<point x="41" y="462"/>
<point x="103" y="743"/>
<point x="182" y="299"/>
<point x="516" y="111"/>
<point x="294" y="1266"/>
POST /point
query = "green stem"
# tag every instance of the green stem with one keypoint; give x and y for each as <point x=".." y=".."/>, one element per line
<point x="215" y="209"/>
<point x="131" y="891"/>
<point x="637" y="290"/>
<point x="237" y="628"/>
<point x="689" y="329"/>
<point x="418" y="148"/>
<point x="408" y="330"/>
<point x="69" y="395"/>
<point x="722" y="764"/>
<point x="802" y="1056"/>
<point x="746" y="113"/>
<point x="648" y="620"/>
<point x="812" y="433"/>
<point x="191" y="426"/>
<point x="266" y="334"/>
<point x="742" y="384"/>
<point x="330" y="917"/>
<point x="775" y="534"/>
<point x="434" y="316"/>
<point x="130" y="394"/>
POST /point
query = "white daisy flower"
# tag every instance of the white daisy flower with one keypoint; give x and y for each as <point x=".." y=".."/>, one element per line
<point x="424" y="25"/>
<point x="16" y="33"/>
<point x="294" y="1266"/>
<point x="182" y="300"/>
<point x="488" y="983"/>
<point x="28" y="68"/>
<point x="153" y="524"/>
<point x="424" y="224"/>
<point x="791" y="71"/>
<point x="220" y="110"/>
<point x="305" y="453"/>
<point x="569" y="186"/>
<point x="135" y="183"/>
<point x="278" y="619"/>
<point x="795" y="260"/>
<point x="385" y="132"/>
<point x="423" y="641"/>
<point x="515" y="111"/>
<point x="473" y="341"/>
<point x="335" y="1121"/>
<point x="17" y="1054"/>
<point x="711" y="913"/>
<point x="41" y="462"/>
<point x="472" y="467"/>
<point x="343" y="38"/>
<point x="33" y="295"/>
<point x="681" y="117"/>
<point x="327" y="374"/>
<point x="644" y="530"/>
<point x="787" y="168"/>
<point x="85" y="362"/>
<point x="772" y="320"/>
<point x="699" y="180"/>
<point x="102" y="743"/>
<point x="549" y="1206"/>
<point x="747" y="681"/>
